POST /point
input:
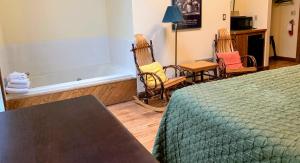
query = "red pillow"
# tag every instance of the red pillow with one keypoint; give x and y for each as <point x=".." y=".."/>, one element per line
<point x="232" y="59"/>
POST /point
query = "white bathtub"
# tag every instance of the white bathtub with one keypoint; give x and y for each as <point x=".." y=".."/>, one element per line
<point x="74" y="79"/>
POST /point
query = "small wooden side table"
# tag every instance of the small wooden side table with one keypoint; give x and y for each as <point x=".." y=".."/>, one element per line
<point x="200" y="67"/>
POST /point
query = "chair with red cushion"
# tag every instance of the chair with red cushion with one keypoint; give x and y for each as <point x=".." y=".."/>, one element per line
<point x="231" y="63"/>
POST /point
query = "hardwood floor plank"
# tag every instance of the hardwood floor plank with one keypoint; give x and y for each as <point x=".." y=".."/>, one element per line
<point x="141" y="122"/>
<point x="275" y="64"/>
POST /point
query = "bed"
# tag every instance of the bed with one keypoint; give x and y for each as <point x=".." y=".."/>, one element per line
<point x="251" y="118"/>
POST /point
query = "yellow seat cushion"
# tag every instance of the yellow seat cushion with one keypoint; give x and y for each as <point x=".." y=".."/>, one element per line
<point x="157" y="69"/>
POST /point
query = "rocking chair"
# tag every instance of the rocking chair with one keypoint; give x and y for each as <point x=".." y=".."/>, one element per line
<point x="143" y="55"/>
<point x="224" y="47"/>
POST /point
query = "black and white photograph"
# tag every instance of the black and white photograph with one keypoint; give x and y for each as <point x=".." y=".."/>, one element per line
<point x="191" y="11"/>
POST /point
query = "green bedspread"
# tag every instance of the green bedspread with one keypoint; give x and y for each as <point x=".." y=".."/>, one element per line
<point x="252" y="118"/>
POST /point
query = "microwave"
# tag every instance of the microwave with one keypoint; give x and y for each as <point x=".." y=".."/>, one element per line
<point x="241" y="22"/>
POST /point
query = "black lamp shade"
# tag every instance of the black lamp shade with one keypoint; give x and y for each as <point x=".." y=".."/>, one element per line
<point x="173" y="15"/>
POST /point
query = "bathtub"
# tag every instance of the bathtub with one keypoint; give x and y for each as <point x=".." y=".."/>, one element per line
<point x="73" y="79"/>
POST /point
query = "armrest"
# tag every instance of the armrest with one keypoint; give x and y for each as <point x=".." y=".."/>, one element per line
<point x="176" y="68"/>
<point x="145" y="75"/>
<point x="221" y="67"/>
<point x="250" y="58"/>
<point x="221" y="62"/>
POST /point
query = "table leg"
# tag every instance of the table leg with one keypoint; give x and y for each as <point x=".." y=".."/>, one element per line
<point x="216" y="73"/>
<point x="194" y="76"/>
<point x="202" y="76"/>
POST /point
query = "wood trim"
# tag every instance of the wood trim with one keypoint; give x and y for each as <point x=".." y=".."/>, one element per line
<point x="3" y="90"/>
<point x="266" y="68"/>
<point x="284" y="58"/>
<point x="109" y="94"/>
<point x="249" y="31"/>
<point x="298" y="43"/>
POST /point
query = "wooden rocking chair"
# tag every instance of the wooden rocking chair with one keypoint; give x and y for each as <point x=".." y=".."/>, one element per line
<point x="225" y="44"/>
<point x="143" y="55"/>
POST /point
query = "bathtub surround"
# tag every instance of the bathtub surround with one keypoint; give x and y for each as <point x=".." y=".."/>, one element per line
<point x="48" y="37"/>
<point x="109" y="93"/>
<point x="120" y="29"/>
<point x="121" y="56"/>
<point x="53" y="57"/>
<point x="3" y="54"/>
<point x="4" y="61"/>
<point x="67" y="60"/>
<point x="70" y="48"/>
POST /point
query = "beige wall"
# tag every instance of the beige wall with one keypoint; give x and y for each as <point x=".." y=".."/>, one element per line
<point x="1" y="37"/>
<point x="260" y="10"/>
<point x="286" y="45"/>
<point x="119" y="18"/>
<point x="254" y="8"/>
<point x="193" y="44"/>
<point x="3" y="55"/>
<point x="46" y="20"/>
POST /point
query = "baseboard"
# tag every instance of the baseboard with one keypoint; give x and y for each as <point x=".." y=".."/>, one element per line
<point x="284" y="58"/>
<point x="266" y="68"/>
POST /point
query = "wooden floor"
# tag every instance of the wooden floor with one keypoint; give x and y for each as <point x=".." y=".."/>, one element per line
<point x="143" y="123"/>
<point x="274" y="64"/>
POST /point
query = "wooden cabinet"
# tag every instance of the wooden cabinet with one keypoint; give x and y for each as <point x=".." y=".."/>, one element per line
<point x="250" y="42"/>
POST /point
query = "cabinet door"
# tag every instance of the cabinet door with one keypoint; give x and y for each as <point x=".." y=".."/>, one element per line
<point x="256" y="48"/>
<point x="241" y="44"/>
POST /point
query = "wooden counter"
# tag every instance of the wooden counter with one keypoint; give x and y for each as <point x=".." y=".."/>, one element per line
<point x="248" y="31"/>
<point x="250" y="42"/>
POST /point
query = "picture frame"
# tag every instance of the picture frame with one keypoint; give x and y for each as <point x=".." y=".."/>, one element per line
<point x="192" y="13"/>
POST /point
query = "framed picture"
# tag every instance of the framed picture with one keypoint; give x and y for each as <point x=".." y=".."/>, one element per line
<point x="192" y="13"/>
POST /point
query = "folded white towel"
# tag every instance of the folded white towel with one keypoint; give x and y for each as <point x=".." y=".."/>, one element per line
<point x="16" y="78"/>
<point x="16" y="91"/>
<point x="17" y="75"/>
<point x="19" y="81"/>
<point x="18" y="86"/>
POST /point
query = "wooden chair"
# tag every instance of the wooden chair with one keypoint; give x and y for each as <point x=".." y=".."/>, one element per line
<point x="143" y="55"/>
<point x="223" y="44"/>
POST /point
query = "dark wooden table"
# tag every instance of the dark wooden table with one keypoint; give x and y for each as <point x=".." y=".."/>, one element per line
<point x="72" y="131"/>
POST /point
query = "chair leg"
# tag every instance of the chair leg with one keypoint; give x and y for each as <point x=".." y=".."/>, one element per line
<point x="216" y="73"/>
<point x="183" y="84"/>
<point x="167" y="95"/>
<point x="162" y="95"/>
<point x="146" y="98"/>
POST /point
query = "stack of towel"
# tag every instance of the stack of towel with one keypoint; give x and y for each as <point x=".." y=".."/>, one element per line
<point x="17" y="83"/>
